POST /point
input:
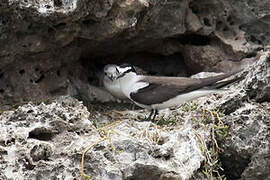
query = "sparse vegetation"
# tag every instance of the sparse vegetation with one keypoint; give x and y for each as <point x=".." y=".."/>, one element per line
<point x="189" y="106"/>
<point x="212" y="166"/>
<point x="106" y="133"/>
<point x="165" y="121"/>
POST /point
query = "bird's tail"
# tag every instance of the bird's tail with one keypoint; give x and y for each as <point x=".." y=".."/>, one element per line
<point x="221" y="84"/>
<point x="218" y="82"/>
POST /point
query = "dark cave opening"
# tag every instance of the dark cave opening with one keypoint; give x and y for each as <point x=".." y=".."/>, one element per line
<point x="144" y="62"/>
<point x="194" y="39"/>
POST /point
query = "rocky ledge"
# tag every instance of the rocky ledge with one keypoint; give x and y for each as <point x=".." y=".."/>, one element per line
<point x="221" y="136"/>
<point x="57" y="47"/>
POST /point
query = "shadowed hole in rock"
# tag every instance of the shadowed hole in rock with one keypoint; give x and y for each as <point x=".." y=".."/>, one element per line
<point x="28" y="164"/>
<point x="229" y="19"/>
<point x="164" y="157"/>
<point x="263" y="37"/>
<point x="30" y="111"/>
<point x="60" y="25"/>
<point x="50" y="29"/>
<point x="251" y="54"/>
<point x="58" y="73"/>
<point x="88" y="22"/>
<point x="225" y="28"/>
<point x="194" y="39"/>
<point x="194" y="8"/>
<point x="3" y="152"/>
<point x="41" y="133"/>
<point x="40" y="79"/>
<point x="254" y="39"/>
<point x="57" y="3"/>
<point x="41" y="152"/>
<point x="152" y="73"/>
<point x="162" y="141"/>
<point x="2" y="90"/>
<point x="98" y="148"/>
<point x="233" y="165"/>
<point x="242" y="27"/>
<point x="7" y="142"/>
<point x="22" y="72"/>
<point x="219" y="25"/>
<point x="91" y="80"/>
<point x="1" y="74"/>
<point x="150" y="171"/>
<point x="206" y="21"/>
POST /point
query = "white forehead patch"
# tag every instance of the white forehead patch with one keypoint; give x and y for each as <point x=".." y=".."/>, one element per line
<point x="123" y="69"/>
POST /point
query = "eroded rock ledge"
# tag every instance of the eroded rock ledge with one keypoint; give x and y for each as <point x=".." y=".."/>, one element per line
<point x="46" y="141"/>
<point x="56" y="47"/>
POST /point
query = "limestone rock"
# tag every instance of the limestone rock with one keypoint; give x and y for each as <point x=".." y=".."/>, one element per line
<point x="45" y="141"/>
<point x="44" y="44"/>
<point x="247" y="145"/>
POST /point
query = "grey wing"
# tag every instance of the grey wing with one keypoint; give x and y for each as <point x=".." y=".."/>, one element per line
<point x="155" y="93"/>
<point x="161" y="89"/>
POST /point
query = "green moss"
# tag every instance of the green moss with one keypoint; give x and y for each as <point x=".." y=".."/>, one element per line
<point x="165" y="121"/>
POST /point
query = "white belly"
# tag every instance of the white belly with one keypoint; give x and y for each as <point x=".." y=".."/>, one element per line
<point x="182" y="98"/>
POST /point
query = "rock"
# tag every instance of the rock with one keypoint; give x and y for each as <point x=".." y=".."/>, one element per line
<point x="41" y="151"/>
<point x="46" y="140"/>
<point x="258" y="80"/>
<point x="207" y="55"/>
<point x="46" y="44"/>
<point x="246" y="148"/>
<point x="34" y="138"/>
<point x="248" y="139"/>
<point x="258" y="167"/>
<point x="54" y="47"/>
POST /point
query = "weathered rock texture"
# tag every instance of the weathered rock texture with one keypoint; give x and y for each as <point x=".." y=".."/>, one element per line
<point x="55" y="47"/>
<point x="247" y="109"/>
<point x="46" y="46"/>
<point x="46" y="141"/>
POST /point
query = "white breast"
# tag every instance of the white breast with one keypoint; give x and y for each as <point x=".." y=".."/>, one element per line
<point x="114" y="88"/>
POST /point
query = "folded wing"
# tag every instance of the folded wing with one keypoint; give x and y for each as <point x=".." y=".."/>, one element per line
<point x="161" y="89"/>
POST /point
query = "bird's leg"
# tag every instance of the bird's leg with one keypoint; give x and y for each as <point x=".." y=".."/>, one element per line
<point x="149" y="117"/>
<point x="155" y="114"/>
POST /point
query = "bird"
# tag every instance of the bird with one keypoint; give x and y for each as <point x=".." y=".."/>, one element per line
<point x="159" y="92"/>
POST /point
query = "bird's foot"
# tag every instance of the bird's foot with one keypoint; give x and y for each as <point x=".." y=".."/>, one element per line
<point x="150" y="118"/>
